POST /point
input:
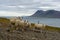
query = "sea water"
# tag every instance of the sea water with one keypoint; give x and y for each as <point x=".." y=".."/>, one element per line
<point x="48" y="21"/>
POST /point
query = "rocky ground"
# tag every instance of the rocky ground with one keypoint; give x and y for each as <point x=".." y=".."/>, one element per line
<point x="30" y="35"/>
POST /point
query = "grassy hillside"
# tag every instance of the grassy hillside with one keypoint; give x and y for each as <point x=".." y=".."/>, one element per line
<point x="48" y="33"/>
<point x="51" y="28"/>
<point x="4" y="22"/>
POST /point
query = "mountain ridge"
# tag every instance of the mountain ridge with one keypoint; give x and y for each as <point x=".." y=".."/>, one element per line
<point x="48" y="13"/>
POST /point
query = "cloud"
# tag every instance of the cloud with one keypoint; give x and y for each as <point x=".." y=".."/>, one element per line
<point x="7" y="13"/>
<point x="28" y="6"/>
<point x="11" y="6"/>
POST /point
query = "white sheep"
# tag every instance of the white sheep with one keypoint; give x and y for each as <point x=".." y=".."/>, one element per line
<point x="24" y="23"/>
<point x="18" y="22"/>
<point x="40" y="25"/>
<point x="12" y="20"/>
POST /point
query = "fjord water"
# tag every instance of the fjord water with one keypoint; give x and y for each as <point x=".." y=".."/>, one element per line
<point x="49" y="21"/>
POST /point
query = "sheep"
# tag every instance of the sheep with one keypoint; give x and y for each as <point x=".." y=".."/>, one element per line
<point x="25" y="23"/>
<point x="18" y="22"/>
<point x="12" y="21"/>
<point x="40" y="26"/>
<point x="22" y="24"/>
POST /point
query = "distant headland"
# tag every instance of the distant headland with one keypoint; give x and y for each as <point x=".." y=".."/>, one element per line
<point x="48" y="14"/>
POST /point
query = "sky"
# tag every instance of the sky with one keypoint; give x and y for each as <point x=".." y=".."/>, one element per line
<point x="26" y="7"/>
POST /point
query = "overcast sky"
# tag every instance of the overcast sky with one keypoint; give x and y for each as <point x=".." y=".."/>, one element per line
<point x="26" y="7"/>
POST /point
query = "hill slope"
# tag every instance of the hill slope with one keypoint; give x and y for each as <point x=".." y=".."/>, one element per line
<point x="48" y="33"/>
<point x="48" y="13"/>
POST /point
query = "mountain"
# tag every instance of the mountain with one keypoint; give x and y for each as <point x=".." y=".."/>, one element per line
<point x="48" y="13"/>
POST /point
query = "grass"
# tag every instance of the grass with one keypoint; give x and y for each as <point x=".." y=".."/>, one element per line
<point x="51" y="28"/>
<point x="4" y="22"/>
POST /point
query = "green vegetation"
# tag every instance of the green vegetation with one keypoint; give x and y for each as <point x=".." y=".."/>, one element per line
<point x="51" y="28"/>
<point x="4" y="22"/>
